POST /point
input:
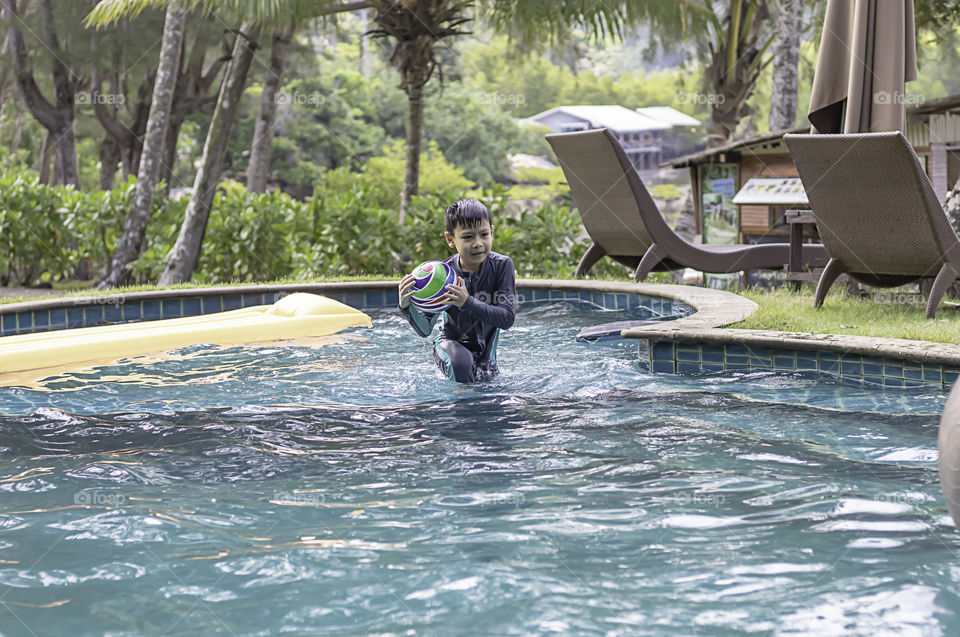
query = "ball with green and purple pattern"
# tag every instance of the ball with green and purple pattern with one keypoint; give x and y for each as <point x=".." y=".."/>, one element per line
<point x="430" y="281"/>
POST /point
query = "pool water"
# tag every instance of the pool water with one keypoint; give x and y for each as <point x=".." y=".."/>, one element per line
<point x="340" y="487"/>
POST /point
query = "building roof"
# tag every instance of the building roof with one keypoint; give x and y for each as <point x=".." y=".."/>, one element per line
<point x="939" y="105"/>
<point x="616" y="118"/>
<point x="704" y="155"/>
<point x="669" y="115"/>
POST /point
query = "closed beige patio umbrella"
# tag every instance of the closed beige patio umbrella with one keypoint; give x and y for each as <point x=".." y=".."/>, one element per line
<point x="867" y="53"/>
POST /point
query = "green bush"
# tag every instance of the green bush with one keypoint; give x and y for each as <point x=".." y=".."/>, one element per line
<point x="34" y="236"/>
<point x="248" y="234"/>
<point x="95" y="220"/>
<point x="162" y="230"/>
<point x="349" y="226"/>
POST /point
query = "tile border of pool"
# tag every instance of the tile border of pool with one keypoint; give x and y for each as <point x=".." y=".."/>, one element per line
<point x="692" y="343"/>
<point x="886" y="362"/>
<point x="28" y="317"/>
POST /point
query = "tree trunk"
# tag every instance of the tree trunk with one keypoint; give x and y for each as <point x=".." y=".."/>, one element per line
<point x="259" y="168"/>
<point x="136" y="224"/>
<point x="411" y="173"/>
<point x="5" y="68"/>
<point x="66" y="168"/>
<point x="170" y="150"/>
<point x="128" y="139"/>
<point x="110" y="152"/>
<point x="734" y="69"/>
<point x="186" y="251"/>
<point x="5" y="76"/>
<point x="190" y="96"/>
<point x="138" y="128"/>
<point x="364" y="61"/>
<point x="786" y="56"/>
<point x="17" y="132"/>
<point x="46" y="149"/>
<point x="57" y="117"/>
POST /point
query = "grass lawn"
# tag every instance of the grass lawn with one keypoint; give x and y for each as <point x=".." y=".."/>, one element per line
<point x="891" y="314"/>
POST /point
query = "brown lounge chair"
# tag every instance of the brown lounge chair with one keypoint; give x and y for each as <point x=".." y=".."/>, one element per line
<point x="625" y="223"/>
<point x="876" y="212"/>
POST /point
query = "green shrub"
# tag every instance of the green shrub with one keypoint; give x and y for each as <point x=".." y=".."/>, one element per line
<point x="33" y="231"/>
<point x="544" y="184"/>
<point x="349" y="226"/>
<point x="162" y="230"/>
<point x="248" y="235"/>
<point x="543" y="241"/>
<point x="95" y="220"/>
<point x="664" y="191"/>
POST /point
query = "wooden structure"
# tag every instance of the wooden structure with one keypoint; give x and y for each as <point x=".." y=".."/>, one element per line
<point x="933" y="129"/>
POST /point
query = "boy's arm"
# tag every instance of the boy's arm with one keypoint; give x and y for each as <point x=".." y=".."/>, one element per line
<point x="505" y="296"/>
<point x="422" y="323"/>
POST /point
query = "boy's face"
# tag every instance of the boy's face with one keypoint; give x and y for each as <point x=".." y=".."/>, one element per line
<point x="472" y="243"/>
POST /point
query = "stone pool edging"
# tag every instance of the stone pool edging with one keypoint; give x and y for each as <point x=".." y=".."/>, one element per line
<point x="31" y="316"/>
<point x="693" y="343"/>
<point x="890" y="362"/>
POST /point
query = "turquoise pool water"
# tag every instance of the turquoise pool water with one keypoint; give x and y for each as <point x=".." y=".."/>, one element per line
<point x="345" y="489"/>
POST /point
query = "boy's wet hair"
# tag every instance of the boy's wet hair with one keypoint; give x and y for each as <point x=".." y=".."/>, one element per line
<point x="466" y="213"/>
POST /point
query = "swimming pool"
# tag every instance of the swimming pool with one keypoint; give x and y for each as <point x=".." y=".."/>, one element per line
<point x="342" y="488"/>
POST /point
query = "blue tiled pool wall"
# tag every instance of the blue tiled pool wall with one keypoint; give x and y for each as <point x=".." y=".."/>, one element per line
<point x="116" y="310"/>
<point x="691" y="357"/>
<point x="649" y="306"/>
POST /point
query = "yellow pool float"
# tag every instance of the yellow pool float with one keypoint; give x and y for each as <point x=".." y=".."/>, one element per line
<point x="296" y="315"/>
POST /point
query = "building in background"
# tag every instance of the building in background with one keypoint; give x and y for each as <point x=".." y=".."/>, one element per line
<point x="648" y="135"/>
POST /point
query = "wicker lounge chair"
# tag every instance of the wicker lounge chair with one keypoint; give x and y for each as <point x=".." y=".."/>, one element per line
<point x="876" y="212"/>
<point x="625" y="224"/>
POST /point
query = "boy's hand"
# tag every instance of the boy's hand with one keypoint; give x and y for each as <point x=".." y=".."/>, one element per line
<point x="406" y="290"/>
<point x="456" y="294"/>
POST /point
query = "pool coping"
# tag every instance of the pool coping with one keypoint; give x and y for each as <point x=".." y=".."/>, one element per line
<point x="876" y="346"/>
<point x="714" y="307"/>
<point x="31" y="316"/>
<point x="697" y="342"/>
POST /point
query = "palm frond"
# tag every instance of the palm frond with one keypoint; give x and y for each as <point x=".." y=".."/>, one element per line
<point x="109" y="11"/>
<point x="272" y="15"/>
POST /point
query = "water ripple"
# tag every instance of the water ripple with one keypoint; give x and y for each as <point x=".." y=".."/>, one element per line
<point x="341" y="487"/>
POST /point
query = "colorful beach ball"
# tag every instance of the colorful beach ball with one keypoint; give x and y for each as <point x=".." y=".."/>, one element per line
<point x="431" y="278"/>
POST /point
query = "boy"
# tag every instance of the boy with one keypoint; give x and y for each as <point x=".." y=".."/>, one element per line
<point x="466" y="348"/>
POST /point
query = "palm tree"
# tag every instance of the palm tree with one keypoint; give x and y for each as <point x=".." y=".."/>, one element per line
<point x="186" y="251"/>
<point x="135" y="226"/>
<point x="255" y="15"/>
<point x="737" y="46"/>
<point x="416" y="26"/>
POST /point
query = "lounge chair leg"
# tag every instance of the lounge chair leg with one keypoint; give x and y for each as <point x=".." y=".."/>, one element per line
<point x="654" y="255"/>
<point x="590" y="257"/>
<point x="945" y="278"/>
<point x="827" y="277"/>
